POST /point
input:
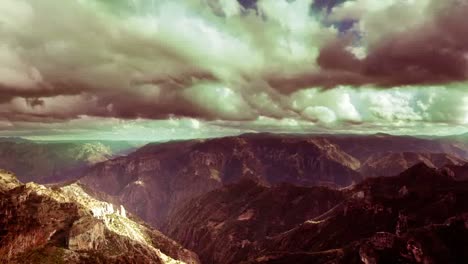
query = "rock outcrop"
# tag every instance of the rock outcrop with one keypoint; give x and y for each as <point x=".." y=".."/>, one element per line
<point x="60" y="225"/>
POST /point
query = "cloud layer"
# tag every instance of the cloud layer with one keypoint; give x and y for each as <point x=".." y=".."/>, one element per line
<point x="330" y="64"/>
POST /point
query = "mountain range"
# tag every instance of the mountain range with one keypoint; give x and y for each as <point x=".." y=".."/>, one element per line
<point x="52" y="161"/>
<point x="253" y="198"/>
<point x="418" y="216"/>
<point x="157" y="178"/>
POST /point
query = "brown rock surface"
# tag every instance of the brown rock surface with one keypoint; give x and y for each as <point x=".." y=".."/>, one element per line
<point x="392" y="163"/>
<point x="228" y="224"/>
<point x="160" y="177"/>
<point x="373" y="222"/>
<point x="67" y="225"/>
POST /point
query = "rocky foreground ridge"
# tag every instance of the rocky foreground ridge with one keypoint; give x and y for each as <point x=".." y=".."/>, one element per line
<point x="65" y="224"/>
<point x="419" y="216"/>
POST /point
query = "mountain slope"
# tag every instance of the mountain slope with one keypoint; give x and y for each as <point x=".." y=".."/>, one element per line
<point x="419" y="216"/>
<point x="362" y="147"/>
<point x="157" y="178"/>
<point x="224" y="225"/>
<point x="392" y="163"/>
<point x="67" y="225"/>
<point x="46" y="162"/>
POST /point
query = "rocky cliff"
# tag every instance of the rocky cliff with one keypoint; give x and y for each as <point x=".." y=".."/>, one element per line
<point x="67" y="225"/>
<point x="154" y="180"/>
<point x="419" y="216"/>
<point x="226" y="225"/>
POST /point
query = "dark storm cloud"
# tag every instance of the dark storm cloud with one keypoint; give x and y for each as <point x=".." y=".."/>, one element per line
<point x="432" y="53"/>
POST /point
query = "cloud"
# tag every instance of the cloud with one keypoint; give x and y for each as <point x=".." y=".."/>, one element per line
<point x="234" y="61"/>
<point x="399" y="42"/>
<point x="220" y="99"/>
<point x="319" y="113"/>
<point x="149" y="58"/>
<point x="409" y="43"/>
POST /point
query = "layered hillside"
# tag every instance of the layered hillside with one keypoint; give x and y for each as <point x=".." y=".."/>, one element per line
<point x="362" y="147"/>
<point x="66" y="225"/>
<point x="226" y="225"/>
<point x="392" y="163"/>
<point x="46" y="162"/>
<point x="419" y="216"/>
<point x="157" y="178"/>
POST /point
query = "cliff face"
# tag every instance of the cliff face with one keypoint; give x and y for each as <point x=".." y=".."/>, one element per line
<point x="67" y="225"/>
<point x="158" y="178"/>
<point x="419" y="216"/>
<point x="228" y="224"/>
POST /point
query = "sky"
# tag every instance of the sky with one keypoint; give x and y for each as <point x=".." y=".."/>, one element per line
<point x="172" y="69"/>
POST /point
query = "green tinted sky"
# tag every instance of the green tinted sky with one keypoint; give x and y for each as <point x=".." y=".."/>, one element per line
<point x="132" y="69"/>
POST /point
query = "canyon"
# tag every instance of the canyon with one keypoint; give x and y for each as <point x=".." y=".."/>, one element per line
<point x="418" y="216"/>
<point x="159" y="177"/>
<point x="252" y="198"/>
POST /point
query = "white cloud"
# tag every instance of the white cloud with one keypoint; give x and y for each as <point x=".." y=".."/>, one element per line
<point x="390" y="105"/>
<point x="218" y="100"/>
<point x="319" y="113"/>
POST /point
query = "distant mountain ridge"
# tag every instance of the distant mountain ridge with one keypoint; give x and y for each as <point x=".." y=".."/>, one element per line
<point x="392" y="163"/>
<point x="46" y="162"/>
<point x="159" y="177"/>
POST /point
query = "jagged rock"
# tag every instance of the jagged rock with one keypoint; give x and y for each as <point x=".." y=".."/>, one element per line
<point x="57" y="225"/>
<point x="8" y="181"/>
<point x="86" y="233"/>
